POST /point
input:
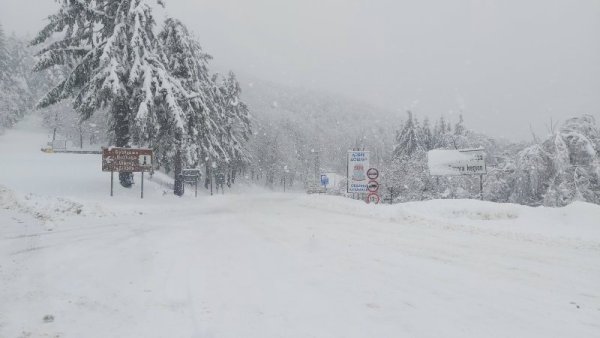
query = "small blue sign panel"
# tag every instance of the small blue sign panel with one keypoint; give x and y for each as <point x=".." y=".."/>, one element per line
<point x="324" y="180"/>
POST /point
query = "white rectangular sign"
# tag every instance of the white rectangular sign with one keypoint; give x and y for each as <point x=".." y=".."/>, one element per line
<point x="358" y="164"/>
<point x="456" y="162"/>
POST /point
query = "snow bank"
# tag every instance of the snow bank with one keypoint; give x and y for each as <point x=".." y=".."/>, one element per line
<point x="47" y="209"/>
<point x="578" y="220"/>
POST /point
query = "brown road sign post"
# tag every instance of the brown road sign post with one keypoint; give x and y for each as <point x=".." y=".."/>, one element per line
<point x="126" y="160"/>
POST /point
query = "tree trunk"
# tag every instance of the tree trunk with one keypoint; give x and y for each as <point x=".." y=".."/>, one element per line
<point x="178" y="187"/>
<point x="207" y="176"/>
<point x="80" y="137"/>
<point x="121" y="113"/>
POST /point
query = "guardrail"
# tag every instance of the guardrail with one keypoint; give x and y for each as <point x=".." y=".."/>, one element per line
<point x="51" y="150"/>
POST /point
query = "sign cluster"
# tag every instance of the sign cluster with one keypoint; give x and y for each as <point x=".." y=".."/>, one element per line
<point x="361" y="177"/>
<point x="373" y="186"/>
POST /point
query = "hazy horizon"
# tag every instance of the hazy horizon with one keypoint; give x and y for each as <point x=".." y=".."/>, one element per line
<point x="505" y="65"/>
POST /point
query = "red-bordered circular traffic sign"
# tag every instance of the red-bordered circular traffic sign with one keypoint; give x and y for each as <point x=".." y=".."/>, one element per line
<point x="373" y="186"/>
<point x="372" y="173"/>
<point x="373" y="198"/>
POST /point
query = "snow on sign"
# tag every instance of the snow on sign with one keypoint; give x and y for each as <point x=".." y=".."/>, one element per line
<point x="456" y="162"/>
<point x="126" y="159"/>
<point x="358" y="164"/>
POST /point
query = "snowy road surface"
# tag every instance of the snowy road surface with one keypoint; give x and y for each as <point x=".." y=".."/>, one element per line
<point x="280" y="265"/>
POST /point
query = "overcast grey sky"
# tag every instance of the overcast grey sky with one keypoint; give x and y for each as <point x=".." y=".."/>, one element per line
<point x="504" y="63"/>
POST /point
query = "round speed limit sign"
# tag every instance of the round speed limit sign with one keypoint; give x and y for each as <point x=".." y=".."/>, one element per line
<point x="373" y="198"/>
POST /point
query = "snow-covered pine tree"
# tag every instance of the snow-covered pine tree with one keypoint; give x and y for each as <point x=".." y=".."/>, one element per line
<point x="19" y="63"/>
<point x="407" y="172"/>
<point x="112" y="54"/>
<point x="218" y="123"/>
<point x="562" y="169"/>
<point x="14" y="81"/>
<point x="440" y="137"/>
<point x="3" y="55"/>
<point x="236" y="123"/>
<point x="3" y="80"/>
<point x="427" y="135"/>
<point x="409" y="139"/>
<point x="185" y="60"/>
<point x="459" y="127"/>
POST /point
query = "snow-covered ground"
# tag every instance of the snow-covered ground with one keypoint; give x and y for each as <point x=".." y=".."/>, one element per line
<point x="258" y="264"/>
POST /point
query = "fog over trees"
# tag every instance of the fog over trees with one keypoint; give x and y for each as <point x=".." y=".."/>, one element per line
<point x="105" y="73"/>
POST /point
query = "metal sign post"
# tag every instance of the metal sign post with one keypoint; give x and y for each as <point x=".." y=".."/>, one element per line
<point x="142" y="195"/>
<point x="285" y="174"/>
<point x="481" y="187"/>
<point x="112" y="179"/>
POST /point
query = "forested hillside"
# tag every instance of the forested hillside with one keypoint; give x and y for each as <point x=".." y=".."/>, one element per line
<point x="300" y="129"/>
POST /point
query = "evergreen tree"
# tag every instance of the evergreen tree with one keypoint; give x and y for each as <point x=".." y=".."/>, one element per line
<point x="459" y="127"/>
<point x="408" y="140"/>
<point x="217" y="122"/>
<point x="15" y="80"/>
<point x="3" y="55"/>
<point x="4" y="114"/>
<point x="428" y="140"/>
<point x="236" y="123"/>
<point x="185" y="60"/>
<point x="115" y="64"/>
<point x="439" y="134"/>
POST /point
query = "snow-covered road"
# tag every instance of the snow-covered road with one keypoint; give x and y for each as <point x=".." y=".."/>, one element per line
<point x="282" y="265"/>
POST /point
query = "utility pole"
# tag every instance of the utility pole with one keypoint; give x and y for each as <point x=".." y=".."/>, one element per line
<point x="481" y="187"/>
<point x="317" y="162"/>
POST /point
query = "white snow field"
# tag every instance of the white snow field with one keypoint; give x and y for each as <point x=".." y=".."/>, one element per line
<point x="75" y="262"/>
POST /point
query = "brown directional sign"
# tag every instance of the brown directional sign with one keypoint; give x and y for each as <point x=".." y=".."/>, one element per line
<point x="126" y="159"/>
